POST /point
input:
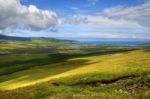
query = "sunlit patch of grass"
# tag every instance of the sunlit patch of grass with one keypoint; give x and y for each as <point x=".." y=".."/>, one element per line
<point x="93" y="67"/>
<point x="11" y="45"/>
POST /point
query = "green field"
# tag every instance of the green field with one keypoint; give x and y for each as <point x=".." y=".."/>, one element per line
<point x="43" y="69"/>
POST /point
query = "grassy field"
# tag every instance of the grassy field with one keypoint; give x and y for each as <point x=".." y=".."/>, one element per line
<point x="85" y="72"/>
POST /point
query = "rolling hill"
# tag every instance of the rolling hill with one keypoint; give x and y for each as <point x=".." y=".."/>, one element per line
<point x="41" y="68"/>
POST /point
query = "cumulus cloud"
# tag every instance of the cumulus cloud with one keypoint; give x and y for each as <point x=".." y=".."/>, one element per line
<point x="139" y="13"/>
<point x="14" y="14"/>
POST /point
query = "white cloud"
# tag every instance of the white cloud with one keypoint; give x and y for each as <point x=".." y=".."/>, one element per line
<point x="117" y="22"/>
<point x="73" y="20"/>
<point x="135" y="17"/>
<point x="139" y="13"/>
<point x="113" y="23"/>
<point x="101" y="21"/>
<point x="13" y="14"/>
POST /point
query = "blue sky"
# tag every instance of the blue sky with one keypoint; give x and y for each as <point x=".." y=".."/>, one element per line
<point x="69" y="7"/>
<point x="110" y="19"/>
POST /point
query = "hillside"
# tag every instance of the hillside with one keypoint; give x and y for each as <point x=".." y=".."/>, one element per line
<point x="100" y="75"/>
<point x="9" y="44"/>
<point x="122" y="64"/>
<point x="48" y="67"/>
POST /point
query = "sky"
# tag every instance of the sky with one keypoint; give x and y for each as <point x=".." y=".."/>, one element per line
<point x="76" y="19"/>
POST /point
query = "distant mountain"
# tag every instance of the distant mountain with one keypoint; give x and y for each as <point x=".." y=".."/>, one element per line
<point x="13" y="38"/>
<point x="36" y="39"/>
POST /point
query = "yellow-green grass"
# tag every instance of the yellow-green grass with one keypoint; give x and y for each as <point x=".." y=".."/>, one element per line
<point x="7" y="47"/>
<point x="103" y="66"/>
<point x="11" y="45"/>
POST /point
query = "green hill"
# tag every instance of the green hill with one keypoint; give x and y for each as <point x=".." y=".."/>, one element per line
<point x="45" y="68"/>
<point x="101" y="75"/>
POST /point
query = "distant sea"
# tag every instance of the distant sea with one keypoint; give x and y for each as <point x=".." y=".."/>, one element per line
<point x="111" y="41"/>
<point x="131" y="43"/>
